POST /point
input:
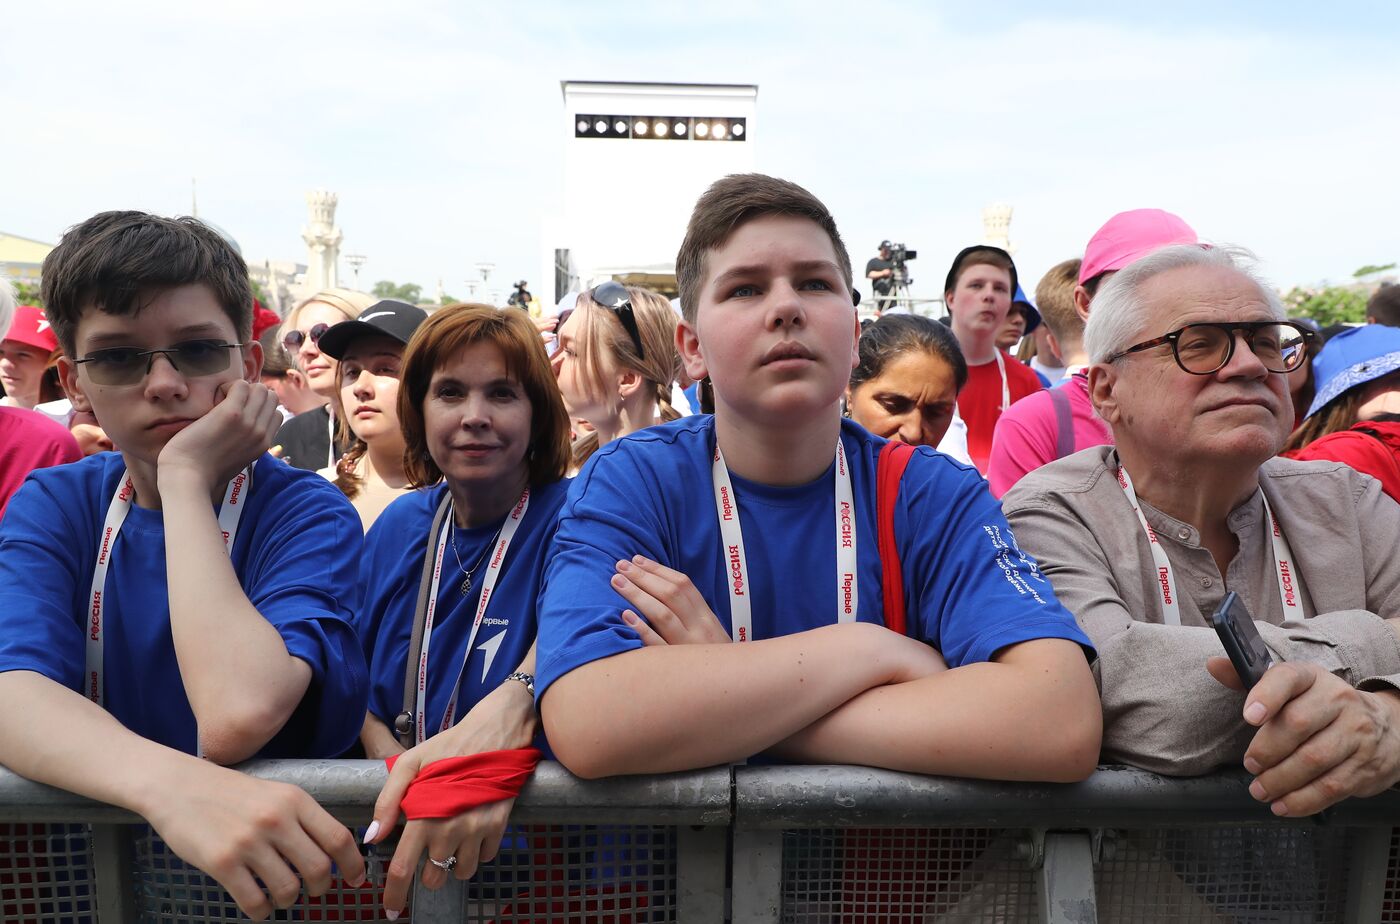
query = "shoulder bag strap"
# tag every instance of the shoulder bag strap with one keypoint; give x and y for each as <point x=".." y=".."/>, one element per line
<point x="420" y="617"/>
<point x="894" y="458"/>
<point x="1064" y="422"/>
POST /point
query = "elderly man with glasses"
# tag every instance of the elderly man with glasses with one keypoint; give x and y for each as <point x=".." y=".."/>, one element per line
<point x="1190" y="358"/>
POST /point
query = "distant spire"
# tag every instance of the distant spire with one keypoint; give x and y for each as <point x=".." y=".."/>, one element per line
<point x="194" y="199"/>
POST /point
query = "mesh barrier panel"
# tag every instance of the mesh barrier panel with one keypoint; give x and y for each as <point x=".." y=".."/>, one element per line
<point x="1390" y="903"/>
<point x="605" y="874"/>
<point x="904" y="876"/>
<point x="608" y="874"/>
<point x="1170" y="876"/>
<point x="46" y="874"/>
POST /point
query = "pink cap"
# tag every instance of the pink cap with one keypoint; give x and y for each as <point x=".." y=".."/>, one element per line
<point x="1128" y="236"/>
<point x="32" y="328"/>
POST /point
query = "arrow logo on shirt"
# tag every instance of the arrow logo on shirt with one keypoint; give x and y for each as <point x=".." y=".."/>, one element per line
<point x="489" y="648"/>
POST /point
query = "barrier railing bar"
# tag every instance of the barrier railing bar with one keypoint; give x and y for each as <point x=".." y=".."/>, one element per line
<point x="838" y="796"/>
<point x="757" y="886"/>
<point x="1065" y="879"/>
<point x="348" y="788"/>
<point x="702" y="864"/>
<point x="1370" y="858"/>
<point x="112" y="874"/>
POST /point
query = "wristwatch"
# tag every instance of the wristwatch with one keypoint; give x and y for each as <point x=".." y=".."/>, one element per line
<point x="522" y="677"/>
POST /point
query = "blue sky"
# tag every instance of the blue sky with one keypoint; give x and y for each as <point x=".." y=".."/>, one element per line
<point x="1268" y="125"/>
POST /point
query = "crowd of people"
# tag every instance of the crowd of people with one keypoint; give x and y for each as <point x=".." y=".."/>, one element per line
<point x="639" y="540"/>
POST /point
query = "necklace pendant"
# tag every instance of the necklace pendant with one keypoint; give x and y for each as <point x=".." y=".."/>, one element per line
<point x="466" y="586"/>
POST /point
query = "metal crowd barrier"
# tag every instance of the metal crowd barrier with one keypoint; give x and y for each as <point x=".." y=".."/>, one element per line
<point x="778" y="845"/>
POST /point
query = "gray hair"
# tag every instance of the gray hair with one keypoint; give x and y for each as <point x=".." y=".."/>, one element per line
<point x="1117" y="313"/>
<point x="7" y="305"/>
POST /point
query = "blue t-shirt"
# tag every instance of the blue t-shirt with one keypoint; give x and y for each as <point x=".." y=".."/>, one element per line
<point x="295" y="554"/>
<point x="968" y="589"/>
<point x="391" y="569"/>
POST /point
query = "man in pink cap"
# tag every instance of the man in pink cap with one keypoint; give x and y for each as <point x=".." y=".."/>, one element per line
<point x="1050" y="424"/>
<point x="25" y="353"/>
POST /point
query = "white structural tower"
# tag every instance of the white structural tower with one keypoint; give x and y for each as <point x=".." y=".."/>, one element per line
<point x="996" y="227"/>
<point x="323" y="240"/>
<point x="636" y="157"/>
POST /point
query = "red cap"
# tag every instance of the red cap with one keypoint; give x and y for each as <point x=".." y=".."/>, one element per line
<point x="1129" y="236"/>
<point x="263" y="320"/>
<point x="32" y="328"/>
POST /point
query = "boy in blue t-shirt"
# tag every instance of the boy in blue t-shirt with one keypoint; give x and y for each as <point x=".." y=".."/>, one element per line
<point x="189" y="595"/>
<point x="768" y="508"/>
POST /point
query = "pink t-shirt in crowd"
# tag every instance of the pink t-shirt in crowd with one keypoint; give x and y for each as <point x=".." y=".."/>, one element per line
<point x="29" y="440"/>
<point x="1027" y="435"/>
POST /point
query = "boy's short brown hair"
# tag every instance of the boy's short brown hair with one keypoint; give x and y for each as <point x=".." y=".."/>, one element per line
<point x="114" y="260"/>
<point x="1054" y="296"/>
<point x="979" y="255"/>
<point x="730" y="203"/>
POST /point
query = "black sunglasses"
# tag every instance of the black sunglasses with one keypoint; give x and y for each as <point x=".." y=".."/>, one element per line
<point x="614" y="297"/>
<point x="128" y="366"/>
<point x="293" y="339"/>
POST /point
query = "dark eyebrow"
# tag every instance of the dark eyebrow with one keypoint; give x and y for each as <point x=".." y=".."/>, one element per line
<point x="191" y="332"/>
<point x="448" y="380"/>
<point x="764" y="269"/>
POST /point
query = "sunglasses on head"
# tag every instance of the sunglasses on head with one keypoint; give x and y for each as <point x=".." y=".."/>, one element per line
<point x="293" y="339"/>
<point x="615" y="298"/>
<point x="128" y="365"/>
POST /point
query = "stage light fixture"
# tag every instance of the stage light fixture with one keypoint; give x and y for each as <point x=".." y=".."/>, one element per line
<point x="581" y="126"/>
<point x="662" y="129"/>
<point x="681" y="129"/>
<point x="600" y="126"/>
<point x="639" y="127"/>
<point x="718" y="130"/>
<point x="620" y="126"/>
<point x="702" y="129"/>
<point x="737" y="130"/>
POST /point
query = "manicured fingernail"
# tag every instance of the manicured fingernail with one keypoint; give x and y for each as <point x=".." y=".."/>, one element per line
<point x="1256" y="789"/>
<point x="1255" y="713"/>
<point x="370" y="832"/>
<point x="618" y="581"/>
<point x="391" y="915"/>
<point x="628" y="617"/>
<point x="1279" y="809"/>
<point x="1252" y="766"/>
<point x="624" y="566"/>
<point x="639" y="558"/>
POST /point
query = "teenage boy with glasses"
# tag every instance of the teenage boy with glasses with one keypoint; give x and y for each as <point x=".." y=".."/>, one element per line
<point x="187" y="596"/>
<point x="769" y="508"/>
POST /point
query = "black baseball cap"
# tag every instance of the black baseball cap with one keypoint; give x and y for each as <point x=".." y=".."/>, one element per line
<point x="396" y="320"/>
<point x="884" y="245"/>
<point x="962" y="257"/>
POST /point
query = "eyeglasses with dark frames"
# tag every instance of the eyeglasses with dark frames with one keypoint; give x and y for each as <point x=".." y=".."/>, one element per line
<point x="128" y="365"/>
<point x="615" y="298"/>
<point x="293" y="339"/>
<point x="1206" y="348"/>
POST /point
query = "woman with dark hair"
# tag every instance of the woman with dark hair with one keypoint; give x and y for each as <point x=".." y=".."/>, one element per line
<point x="906" y="385"/>
<point x="451" y="573"/>
<point x="1355" y="416"/>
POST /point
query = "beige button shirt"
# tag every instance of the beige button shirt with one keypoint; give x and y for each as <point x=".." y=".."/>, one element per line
<point x="1162" y="711"/>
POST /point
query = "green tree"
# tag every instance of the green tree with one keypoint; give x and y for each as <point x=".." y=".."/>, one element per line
<point x="1328" y="304"/>
<point x="27" y="293"/>
<point x="408" y="292"/>
<point x="448" y="299"/>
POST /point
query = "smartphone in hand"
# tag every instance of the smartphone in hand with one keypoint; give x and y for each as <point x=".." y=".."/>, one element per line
<point x="1238" y="634"/>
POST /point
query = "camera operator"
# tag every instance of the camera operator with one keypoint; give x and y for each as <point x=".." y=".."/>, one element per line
<point x="880" y="272"/>
<point x="521" y="297"/>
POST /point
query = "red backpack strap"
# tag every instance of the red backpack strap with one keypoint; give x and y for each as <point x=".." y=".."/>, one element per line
<point x="894" y="458"/>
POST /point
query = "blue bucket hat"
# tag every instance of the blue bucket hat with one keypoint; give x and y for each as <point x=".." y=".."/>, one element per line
<point x="1028" y="306"/>
<point x="1354" y="357"/>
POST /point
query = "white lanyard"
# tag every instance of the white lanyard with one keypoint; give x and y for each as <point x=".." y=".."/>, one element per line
<point x="1289" y="584"/>
<point x="330" y="437"/>
<point x="732" y="537"/>
<point x="488" y="584"/>
<point x="230" y="512"/>
<point x="1005" y="385"/>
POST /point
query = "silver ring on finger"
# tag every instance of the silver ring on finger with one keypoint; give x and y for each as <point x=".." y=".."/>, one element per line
<point x="445" y="865"/>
